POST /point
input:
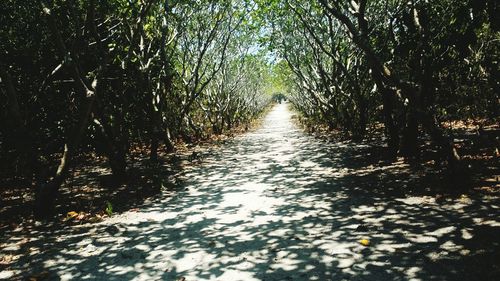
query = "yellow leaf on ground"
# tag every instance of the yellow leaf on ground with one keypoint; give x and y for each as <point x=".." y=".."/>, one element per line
<point x="72" y="214"/>
<point x="364" y="242"/>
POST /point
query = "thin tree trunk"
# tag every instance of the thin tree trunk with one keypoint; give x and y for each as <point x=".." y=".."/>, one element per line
<point x="409" y="147"/>
<point x="45" y="193"/>
<point x="390" y="127"/>
<point x="154" y="143"/>
<point x="167" y="140"/>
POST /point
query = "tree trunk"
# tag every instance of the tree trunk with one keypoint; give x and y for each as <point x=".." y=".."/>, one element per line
<point x="153" y="154"/>
<point x="114" y="147"/>
<point x="46" y="192"/>
<point x="409" y="147"/>
<point x="167" y="139"/>
<point x="391" y="129"/>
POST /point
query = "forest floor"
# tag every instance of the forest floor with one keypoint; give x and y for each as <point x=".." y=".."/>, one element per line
<point x="275" y="204"/>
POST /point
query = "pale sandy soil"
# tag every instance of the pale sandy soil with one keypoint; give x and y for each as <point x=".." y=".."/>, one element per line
<point x="275" y="204"/>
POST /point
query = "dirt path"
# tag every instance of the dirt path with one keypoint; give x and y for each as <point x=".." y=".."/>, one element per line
<point x="276" y="204"/>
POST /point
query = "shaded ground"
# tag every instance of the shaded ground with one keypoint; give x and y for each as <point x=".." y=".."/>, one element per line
<point x="276" y="204"/>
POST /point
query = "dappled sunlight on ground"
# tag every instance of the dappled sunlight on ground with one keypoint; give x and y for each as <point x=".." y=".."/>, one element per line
<point x="276" y="204"/>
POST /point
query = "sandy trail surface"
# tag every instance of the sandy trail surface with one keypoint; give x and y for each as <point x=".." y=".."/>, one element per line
<point x="276" y="204"/>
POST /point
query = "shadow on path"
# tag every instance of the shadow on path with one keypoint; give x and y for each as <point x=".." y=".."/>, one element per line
<point x="276" y="204"/>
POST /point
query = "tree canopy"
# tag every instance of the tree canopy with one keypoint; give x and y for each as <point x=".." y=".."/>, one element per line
<point x="86" y="76"/>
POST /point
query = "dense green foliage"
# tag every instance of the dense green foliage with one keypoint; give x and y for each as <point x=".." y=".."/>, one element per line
<point x="93" y="76"/>
<point x="408" y="64"/>
<point x="102" y="76"/>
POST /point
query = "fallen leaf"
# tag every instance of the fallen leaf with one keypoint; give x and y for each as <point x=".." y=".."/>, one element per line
<point x="72" y="214"/>
<point x="364" y="242"/>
